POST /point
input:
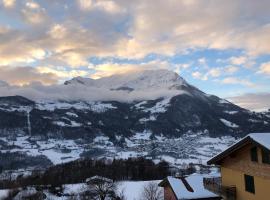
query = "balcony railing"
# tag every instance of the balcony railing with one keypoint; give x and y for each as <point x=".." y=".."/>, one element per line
<point x="214" y="185"/>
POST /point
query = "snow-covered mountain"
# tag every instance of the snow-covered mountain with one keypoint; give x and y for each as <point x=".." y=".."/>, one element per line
<point x="128" y="87"/>
<point x="149" y="113"/>
<point x="140" y="80"/>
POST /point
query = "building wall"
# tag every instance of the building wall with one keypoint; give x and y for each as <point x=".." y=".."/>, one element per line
<point x="233" y="177"/>
<point x="168" y="193"/>
<point x="234" y="167"/>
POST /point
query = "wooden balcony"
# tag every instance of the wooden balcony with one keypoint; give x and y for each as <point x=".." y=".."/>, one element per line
<point x="214" y="185"/>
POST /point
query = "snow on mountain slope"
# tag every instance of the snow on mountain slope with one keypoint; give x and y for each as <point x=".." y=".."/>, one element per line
<point x="129" y="87"/>
<point x="139" y="80"/>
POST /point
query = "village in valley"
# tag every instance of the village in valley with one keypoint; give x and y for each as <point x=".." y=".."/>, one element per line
<point x="239" y="172"/>
<point x="134" y="100"/>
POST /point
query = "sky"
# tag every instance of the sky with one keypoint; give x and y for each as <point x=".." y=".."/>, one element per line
<point x="221" y="47"/>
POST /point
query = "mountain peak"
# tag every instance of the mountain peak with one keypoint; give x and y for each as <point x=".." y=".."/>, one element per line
<point x="138" y="80"/>
<point x="79" y="80"/>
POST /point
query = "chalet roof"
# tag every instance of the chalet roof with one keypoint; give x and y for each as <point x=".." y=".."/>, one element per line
<point x="190" y="188"/>
<point x="260" y="139"/>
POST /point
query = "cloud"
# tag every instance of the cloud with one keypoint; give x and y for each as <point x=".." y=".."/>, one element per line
<point x="85" y="4"/>
<point x="33" y="13"/>
<point x="136" y="33"/>
<point x="25" y="75"/>
<point x="265" y="68"/>
<point x="199" y="25"/>
<point x="109" y="6"/>
<point x="215" y="72"/>
<point x="238" y="60"/>
<point x="32" y="5"/>
<point x="230" y="69"/>
<point x="108" y="69"/>
<point x="9" y="3"/>
<point x="197" y="75"/>
<point x="99" y="90"/>
<point x="202" y="61"/>
<point x="237" y="81"/>
<point x="106" y="5"/>
<point x="252" y="101"/>
<point x="57" y="31"/>
<point x="62" y="73"/>
<point x="74" y="92"/>
<point x="50" y="33"/>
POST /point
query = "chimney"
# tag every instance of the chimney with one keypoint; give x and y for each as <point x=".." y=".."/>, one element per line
<point x="184" y="181"/>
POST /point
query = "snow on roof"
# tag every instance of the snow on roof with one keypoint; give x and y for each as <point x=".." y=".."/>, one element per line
<point x="261" y="138"/>
<point x="196" y="183"/>
<point x="98" y="178"/>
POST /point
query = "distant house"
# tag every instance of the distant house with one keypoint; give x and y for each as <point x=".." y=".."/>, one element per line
<point x="245" y="168"/>
<point x="187" y="188"/>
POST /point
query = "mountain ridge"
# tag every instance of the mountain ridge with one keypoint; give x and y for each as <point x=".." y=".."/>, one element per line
<point x="186" y="125"/>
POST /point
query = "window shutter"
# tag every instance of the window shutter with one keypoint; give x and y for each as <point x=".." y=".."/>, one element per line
<point x="265" y="156"/>
<point x="253" y="154"/>
<point x="249" y="184"/>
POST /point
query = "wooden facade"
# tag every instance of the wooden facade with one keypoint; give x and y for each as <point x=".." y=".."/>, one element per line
<point x="242" y="160"/>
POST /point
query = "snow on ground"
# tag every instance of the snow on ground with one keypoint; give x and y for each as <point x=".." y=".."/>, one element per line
<point x="142" y="136"/>
<point x="223" y="101"/>
<point x="140" y="105"/>
<point x="51" y="106"/>
<point x="191" y="147"/>
<point x="58" y="151"/>
<point x="160" y="106"/>
<point x="12" y="108"/>
<point x="3" y="194"/>
<point x="231" y="112"/>
<point x="74" y="188"/>
<point x="254" y="120"/>
<point x="133" y="189"/>
<point x="102" y="140"/>
<point x="98" y="107"/>
<point x="228" y="123"/>
<point x="71" y="114"/>
<point x="129" y="154"/>
<point x="151" y="118"/>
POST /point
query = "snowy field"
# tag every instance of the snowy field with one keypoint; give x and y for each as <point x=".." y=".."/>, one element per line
<point x="132" y="190"/>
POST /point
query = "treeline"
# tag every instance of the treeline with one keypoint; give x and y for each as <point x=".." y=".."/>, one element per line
<point x="77" y="171"/>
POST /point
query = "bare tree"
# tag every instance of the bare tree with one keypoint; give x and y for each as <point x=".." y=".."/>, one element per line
<point x="121" y="195"/>
<point x="102" y="187"/>
<point x="151" y="191"/>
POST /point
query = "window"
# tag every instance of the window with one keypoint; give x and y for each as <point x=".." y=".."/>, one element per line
<point x="265" y="156"/>
<point x="249" y="184"/>
<point x="253" y="154"/>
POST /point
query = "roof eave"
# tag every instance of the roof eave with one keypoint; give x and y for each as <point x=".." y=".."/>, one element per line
<point x="216" y="160"/>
